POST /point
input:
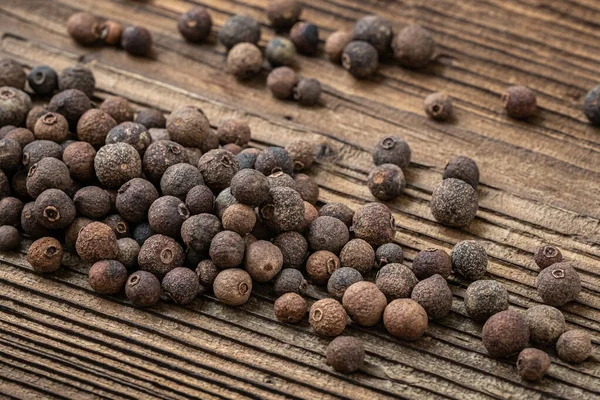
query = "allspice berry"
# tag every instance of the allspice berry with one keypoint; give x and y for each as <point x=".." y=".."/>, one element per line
<point x="45" y="255"/>
<point x="284" y="210"/>
<point x="195" y="24"/>
<point x="532" y="364"/>
<point x="23" y="136"/>
<point x="274" y="159"/>
<point x="320" y="265"/>
<point x="280" y="51"/>
<point x="519" y="102"/>
<point x="328" y="233"/>
<point x="134" y="199"/>
<point x="151" y="118"/>
<point x="345" y="354"/>
<point x="10" y="238"/>
<point x="357" y="254"/>
<point x="207" y="271"/>
<point x="505" y="333"/>
<point x="360" y="59"/>
<point x="48" y="173"/>
<point x="338" y="210"/>
<point x="294" y="249"/>
<point x="10" y="154"/>
<point x="463" y="168"/>
<point x="218" y="168"/>
<point x="15" y="105"/>
<point x="328" y="317"/>
<point x="413" y="46"/>
<point x="546" y="324"/>
<point x="307" y="92"/>
<point x="405" y="319"/>
<point x="485" y="298"/>
<point x="116" y="164"/>
<point x="430" y="262"/>
<point x="239" y="218"/>
<point x="72" y="104"/>
<point x="283" y="13"/>
<point x="199" y="230"/>
<point x="364" y="303"/>
<point x="558" y="284"/>
<point x="434" y="295"/>
<point x="30" y="222"/>
<point x="305" y="37"/>
<point x="179" y="179"/>
<point x="336" y="43"/>
<point x="247" y="158"/>
<point x="51" y="126"/>
<point x="94" y="125"/>
<point x="239" y="29"/>
<point x="591" y="105"/>
<point x="233" y="286"/>
<point x="290" y="308"/>
<point x="160" y="254"/>
<point x="181" y="285"/>
<point x="159" y="156"/>
<point x="392" y="150"/>
<point x="547" y="255"/>
<point x="263" y="260"/>
<point x="136" y="40"/>
<point x="10" y="211"/>
<point x="396" y="281"/>
<point x="340" y="280"/>
<point x="454" y="203"/>
<point x="574" y="346"/>
<point x="38" y="149"/>
<point x="188" y="126"/>
<point x="281" y="82"/>
<point x="310" y="214"/>
<point x="244" y="60"/>
<point x="107" y="277"/>
<point x="386" y="182"/>
<point x="77" y="77"/>
<point x="42" y="79"/>
<point x="96" y="242"/>
<point x="111" y="33"/>
<point x="92" y="202"/>
<point x="250" y="187"/>
<point x="227" y="249"/>
<point x="234" y="131"/>
<point x="289" y="280"/>
<point x="200" y="199"/>
<point x="84" y="28"/>
<point x="375" y="30"/>
<point x="307" y="188"/>
<point x="302" y="153"/>
<point x="55" y="209"/>
<point x="374" y="223"/>
<point x="167" y="214"/>
<point x="12" y="74"/>
<point x="142" y="289"/>
<point x="438" y="106"/>
<point x="469" y="259"/>
<point x="131" y="133"/>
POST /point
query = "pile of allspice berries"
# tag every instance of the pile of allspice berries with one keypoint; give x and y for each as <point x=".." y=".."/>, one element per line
<point x="168" y="208"/>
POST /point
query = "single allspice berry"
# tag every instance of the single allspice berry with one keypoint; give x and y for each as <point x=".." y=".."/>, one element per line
<point x="10" y="211"/>
<point x="281" y="82"/>
<point x="250" y="187"/>
<point x="263" y="260"/>
<point x="294" y="248"/>
<point x="364" y="303"/>
<point x="115" y="164"/>
<point x="547" y="255"/>
<point x="274" y="159"/>
<point x="12" y="74"/>
<point x="42" y="79"/>
<point x="72" y="104"/>
<point x="159" y="156"/>
<point x="218" y="167"/>
<point x="107" y="277"/>
<point x="30" y="222"/>
<point x="247" y="158"/>
<point x="51" y="126"/>
<point x="181" y="285"/>
<point x="328" y="233"/>
<point x="463" y="168"/>
<point x="244" y="60"/>
<point x="283" y="13"/>
<point x="519" y="102"/>
<point x="386" y="182"/>
<point x="195" y="24"/>
<point x="199" y="200"/>
<point x="328" y="317"/>
<point x="357" y="254"/>
<point x="227" y="249"/>
<point x="92" y="202"/>
<point x="345" y="354"/>
<point x="10" y="155"/>
<point x="375" y="30"/>
<point x="302" y="153"/>
<point x="84" y="28"/>
<point x="505" y="333"/>
<point x="284" y="210"/>
<point x="233" y="286"/>
<point x="396" y="281"/>
<point x="289" y="280"/>
<point x="77" y="77"/>
<point x="454" y="203"/>
<point x="134" y="199"/>
<point x="167" y="214"/>
<point x="413" y="46"/>
<point x="340" y="280"/>
<point x="45" y="255"/>
<point x="532" y="364"/>
<point x="96" y="242"/>
<point x="55" y="208"/>
<point x="430" y="262"/>
<point x="434" y="295"/>
<point x="160" y="254"/>
<point x="151" y="118"/>
<point x="469" y="259"/>
<point x="307" y="188"/>
<point x="280" y="51"/>
<point x="239" y="29"/>
<point x="94" y="125"/>
<point x="290" y="308"/>
<point x="188" y="126"/>
<point x="389" y="253"/>
<point x="305" y="37"/>
<point x="15" y="104"/>
<point x="438" y="106"/>
<point x="131" y="133"/>
<point x="239" y="218"/>
<point x="143" y="289"/>
<point x="374" y="223"/>
<point x="23" y="136"/>
<point x="72" y="231"/>
<point x="405" y="319"/>
<point x="392" y="150"/>
<point x="199" y="230"/>
<point x="338" y="210"/>
<point x="310" y="214"/>
<point x="207" y="271"/>
<point x="307" y="92"/>
<point x="179" y="179"/>
<point x="546" y="324"/>
<point x="10" y="238"/>
<point x="360" y="59"/>
<point x="559" y="283"/>
<point x="234" y="131"/>
<point x="38" y="149"/>
<point x="574" y="346"/>
<point x="336" y="43"/>
<point x="485" y="298"/>
<point x="591" y="105"/>
<point x="136" y="40"/>
<point x="118" y="108"/>
<point x="48" y="173"/>
<point x="321" y="265"/>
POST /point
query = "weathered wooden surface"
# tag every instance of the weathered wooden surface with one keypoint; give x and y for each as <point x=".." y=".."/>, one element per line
<point x="540" y="184"/>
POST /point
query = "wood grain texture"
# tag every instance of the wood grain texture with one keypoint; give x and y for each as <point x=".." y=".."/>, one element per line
<point x="540" y="184"/>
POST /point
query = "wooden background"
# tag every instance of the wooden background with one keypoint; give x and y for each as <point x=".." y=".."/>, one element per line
<point x="540" y="184"/>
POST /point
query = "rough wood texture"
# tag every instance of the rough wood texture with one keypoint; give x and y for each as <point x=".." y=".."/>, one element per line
<point x="540" y="184"/>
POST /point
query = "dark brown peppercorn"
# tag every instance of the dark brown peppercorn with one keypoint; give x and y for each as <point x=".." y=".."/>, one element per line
<point x="129" y="251"/>
<point x="234" y="131"/>
<point x="438" y="106"/>
<point x="519" y="102"/>
<point x="320" y="265"/>
<point x="574" y="346"/>
<point x="274" y="159"/>
<point x="77" y="77"/>
<point x="107" y="277"/>
<point x="413" y="46"/>
<point x="239" y="218"/>
<point x="227" y="249"/>
<point x="375" y="30"/>
<point x="94" y="125"/>
<point x="224" y="200"/>
<point x="10" y="154"/>
<point x="55" y="208"/>
<point x="345" y="354"/>
<point x="284" y="210"/>
<point x="233" y="286"/>
<point x="289" y="280"/>
<point x="290" y="308"/>
<point x="505" y="333"/>
<point x="51" y="126"/>
<point x="305" y="37"/>
<point x="136" y="40"/>
<point x="360" y="59"/>
<point x="116" y="164"/>
<point x="142" y="289"/>
<point x="131" y="133"/>
<point x="547" y="255"/>
<point x="111" y="33"/>
<point x="118" y="225"/>
<point x="546" y="324"/>
<point x="469" y="259"/>
<point x="430" y="262"/>
<point x="328" y="233"/>
<point x="84" y="28"/>
<point x="396" y="281"/>
<point x="463" y="168"/>
<point x="307" y="92"/>
<point x="392" y="150"/>
<point x="10" y="211"/>
<point x="96" y="242"/>
<point x="335" y="45"/>
<point x="280" y="51"/>
<point x="48" y="173"/>
<point x="301" y="152"/>
<point x="10" y="238"/>
<point x="167" y="214"/>
<point x="161" y="155"/>
<point x="307" y="188"/>
<point x="14" y="104"/>
<point x="283" y="13"/>
<point x="405" y="319"/>
<point x="533" y="364"/>
<point x="374" y="223"/>
<point x="30" y="222"/>
<point x="179" y="179"/>
<point x="558" y="284"/>
<point x="199" y="200"/>
<point x="281" y="82"/>
<point x="244" y="60"/>
<point x="386" y="182"/>
<point x="72" y="231"/>
<point x="340" y="280"/>
<point x="118" y="108"/>
<point x="181" y="285"/>
<point x="247" y="158"/>
<point x="250" y="187"/>
<point x="364" y="303"/>
<point x="134" y="199"/>
<point x="188" y="126"/>
<point x="434" y="295"/>
<point x="358" y="254"/>
<point x="195" y="24"/>
<point x="338" y="210"/>
<point x="207" y="271"/>
<point x="454" y="203"/>
<point x="151" y="118"/>
<point x="42" y="79"/>
<point x="239" y="29"/>
<point x="45" y="255"/>
<point x="22" y="136"/>
<point x="38" y="149"/>
<point x="294" y="249"/>
<point x="389" y="253"/>
<point x="263" y="260"/>
<point x="328" y="317"/>
<point x="591" y="105"/>
<point x="485" y="298"/>
<point x="92" y="202"/>
<point x="218" y="168"/>
<point x="160" y="254"/>
<point x="72" y="104"/>
<point x="12" y="74"/>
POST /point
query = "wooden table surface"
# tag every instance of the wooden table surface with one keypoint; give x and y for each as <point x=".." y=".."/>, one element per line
<point x="540" y="184"/>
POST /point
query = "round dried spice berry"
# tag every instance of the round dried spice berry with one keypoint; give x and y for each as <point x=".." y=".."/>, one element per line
<point x="188" y="126"/>
<point x="485" y="298"/>
<point x="338" y="210"/>
<point x="199" y="200"/>
<point x="546" y="324"/>
<point x="302" y="154"/>
<point x="218" y="168"/>
<point x="45" y="255"/>
<point x="294" y="248"/>
<point x="454" y="203"/>
<point x="405" y="319"/>
<point x="281" y="82"/>
<point x="10" y="238"/>
<point x="244" y="60"/>
<point x="289" y="280"/>
<point x="111" y="33"/>
<point x="233" y="286"/>
<point x="532" y="364"/>
<point x="160" y="254"/>
<point x="48" y="173"/>
<point x="239" y="218"/>
<point x="389" y="253"/>
<point x="195" y="24"/>
<point x="396" y="281"/>
<point x="92" y="202"/>
<point x="84" y="28"/>
<point x="434" y="295"/>
<point x="107" y="277"/>
<point x="239" y="29"/>
<point x="505" y="333"/>
<point x="55" y="208"/>
<point x="345" y="354"/>
<point x="12" y="74"/>
<point x="284" y="210"/>
<point x="328" y="317"/>
<point x="307" y="188"/>
<point x="161" y="155"/>
<point x="30" y="222"/>
<point x="118" y="108"/>
<point x="179" y="179"/>
<point x="463" y="168"/>
<point x="438" y="106"/>
<point x="22" y="136"/>
<point x="181" y="285"/>
<point x="305" y="37"/>
<point x="375" y="30"/>
<point x="51" y="126"/>
<point x="151" y="118"/>
<point x="558" y="284"/>
<point x="360" y="59"/>
<point x="97" y="241"/>
<point x="227" y="249"/>
<point x="15" y="104"/>
<point x="307" y="92"/>
<point x="143" y="289"/>
<point x="340" y="280"/>
<point x="263" y="260"/>
<point x="72" y="104"/>
<point x="129" y="251"/>
<point x="335" y="45"/>
<point x="131" y="133"/>
<point x="321" y="265"/>
<point x="392" y="150"/>
<point x="232" y="148"/>
<point x="469" y="259"/>
<point x="250" y="187"/>
<point x="10" y="211"/>
<point x="413" y="46"/>
<point x="331" y="234"/>
<point x="290" y="308"/>
<point x="42" y="79"/>
<point x="234" y="131"/>
<point x="77" y="77"/>
<point x="38" y="149"/>
<point x="386" y="182"/>
<point x="546" y="256"/>
<point x="167" y="214"/>
<point x="591" y="105"/>
<point x="281" y="179"/>
<point x="574" y="346"/>
<point x="94" y="125"/>
<point x="519" y="102"/>
<point x="280" y="51"/>
<point x="430" y="262"/>
<point x="274" y="159"/>
<point x="247" y="158"/>
<point x="357" y="254"/>
<point x="374" y="223"/>
<point x="136" y="40"/>
<point x="134" y="199"/>
<point x="116" y="164"/>
<point x="283" y="13"/>
<point x="364" y="303"/>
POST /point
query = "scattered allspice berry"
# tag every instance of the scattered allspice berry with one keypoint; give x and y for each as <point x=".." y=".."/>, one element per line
<point x="413" y="46"/>
<point x="392" y="150"/>
<point x="195" y="24"/>
<point x="239" y="218"/>
<point x="463" y="168"/>
<point x="77" y="77"/>
<point x="283" y="14"/>
<point x="396" y="281"/>
<point x="188" y="126"/>
<point x="469" y="259"/>
<point x="519" y="102"/>
<point x="116" y="164"/>
<point x="345" y="354"/>
<point x="307" y="92"/>
<point x="151" y="118"/>
<point x="234" y="131"/>
<point x="328" y="317"/>
<point x="328" y="233"/>
<point x="454" y="203"/>
<point x="305" y="37"/>
<point x="532" y="364"/>
<point x="55" y="208"/>
<point x="42" y="79"/>
<point x="281" y="82"/>
<point x="505" y="333"/>
<point x="591" y="105"/>
<point x="45" y="255"/>
<point x="9" y="238"/>
<point x="280" y="51"/>
<point x="233" y="286"/>
<point x="434" y="295"/>
<point x="107" y="277"/>
<point x="340" y="280"/>
<point x="227" y="250"/>
<point x="159" y="156"/>
<point x="320" y="265"/>
<point x="374" y="223"/>
<point x="97" y="242"/>
<point x="51" y="126"/>
<point x="12" y="74"/>
<point x="547" y="255"/>
<point x="485" y="298"/>
<point x="263" y="260"/>
<point x="160" y="254"/>
<point x="290" y="308"/>
<point x="84" y="28"/>
<point x="360" y="59"/>
<point x="336" y="43"/>
<point x="218" y="167"/>
<point x="574" y="346"/>
<point x="430" y="262"/>
<point x="15" y="104"/>
<point x="181" y="285"/>
<point x="357" y="254"/>
<point x="136" y="40"/>
<point x="302" y="154"/>
<point x="239" y="29"/>
<point x="438" y="106"/>
<point x="143" y="289"/>
<point x="546" y="324"/>
<point x="289" y="280"/>
<point x="389" y="253"/>
<point x="558" y="284"/>
<point x="386" y="182"/>
<point x="364" y="303"/>
<point x="375" y="30"/>
<point x="405" y="319"/>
